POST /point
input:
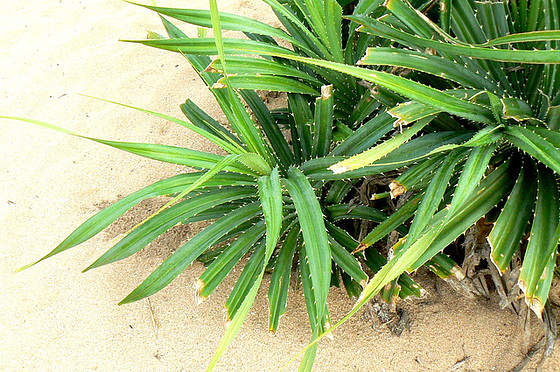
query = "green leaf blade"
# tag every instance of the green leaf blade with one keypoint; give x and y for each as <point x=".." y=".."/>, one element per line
<point x="314" y="236"/>
<point x="527" y="139"/>
<point x="280" y="280"/>
<point x="543" y="241"/>
<point x="370" y="156"/>
<point x="510" y="226"/>
<point x="251" y="274"/>
<point x="323" y="126"/>
<point x="270" y="193"/>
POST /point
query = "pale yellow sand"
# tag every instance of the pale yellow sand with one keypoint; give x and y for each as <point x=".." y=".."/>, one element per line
<point x="53" y="318"/>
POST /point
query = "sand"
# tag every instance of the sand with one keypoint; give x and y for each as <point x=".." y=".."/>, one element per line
<point x="54" y="318"/>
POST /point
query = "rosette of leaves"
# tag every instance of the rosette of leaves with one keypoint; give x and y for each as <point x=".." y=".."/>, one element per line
<point x="476" y="98"/>
<point x="269" y="198"/>
<point x="321" y="32"/>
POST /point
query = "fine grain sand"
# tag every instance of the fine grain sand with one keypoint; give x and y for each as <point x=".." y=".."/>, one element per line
<point x="54" y="318"/>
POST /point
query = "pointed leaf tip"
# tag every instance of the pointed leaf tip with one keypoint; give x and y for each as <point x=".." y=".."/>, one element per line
<point x="359" y="248"/>
<point x="25" y="267"/>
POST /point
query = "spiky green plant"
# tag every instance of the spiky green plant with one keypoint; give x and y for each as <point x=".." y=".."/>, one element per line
<point x="483" y="132"/>
<point x="478" y="76"/>
<point x="482" y="138"/>
<point x="268" y="197"/>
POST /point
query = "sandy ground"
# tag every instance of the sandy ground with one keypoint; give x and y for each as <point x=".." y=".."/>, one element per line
<point x="53" y="318"/>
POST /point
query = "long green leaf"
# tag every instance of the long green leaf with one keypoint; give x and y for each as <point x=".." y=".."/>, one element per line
<point x="235" y="323"/>
<point x="207" y="46"/>
<point x="168" y="154"/>
<point x="228" y="100"/>
<point x="535" y="145"/>
<point x="445" y="15"/>
<point x="366" y="135"/>
<point x="510" y="226"/>
<point x="442" y="231"/>
<point x="240" y="120"/>
<point x="339" y="212"/>
<point x="407" y="154"/>
<point x="370" y="156"/>
<point x="523" y="37"/>
<point x="245" y="290"/>
<point x="433" y="196"/>
<point x="173" y="185"/>
<point x="316" y="323"/>
<point x="269" y="125"/>
<point x="471" y="175"/>
<point x="228" y="258"/>
<point x="250" y="275"/>
<point x="227" y="21"/>
<point x="314" y="235"/>
<point x="216" y="212"/>
<point x="280" y="280"/>
<point x="202" y="120"/>
<point x="400" y="85"/>
<point x="270" y="193"/>
<point x="323" y="125"/>
<point x="174" y="155"/>
<point x="472" y="51"/>
<point x="347" y="262"/>
<point x="221" y="165"/>
<point x="543" y="240"/>
<point x="266" y="82"/>
<point x="232" y="148"/>
<point x="249" y="65"/>
<point x="373" y="259"/>
<point x="411" y="111"/>
<point x="303" y="118"/>
<point x="428" y="63"/>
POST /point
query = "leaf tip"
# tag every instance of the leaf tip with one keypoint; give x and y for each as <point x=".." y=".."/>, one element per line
<point x="125" y="301"/>
<point x="211" y="68"/>
<point x="361" y="247"/>
<point x="132" y="297"/>
<point x="329" y="335"/>
<point x="362" y="60"/>
<point x="20" y="269"/>
<point x="396" y="189"/>
<point x="536" y="305"/>
<point x="199" y="287"/>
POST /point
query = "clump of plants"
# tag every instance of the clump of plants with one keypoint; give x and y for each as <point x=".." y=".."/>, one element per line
<point x="454" y="107"/>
